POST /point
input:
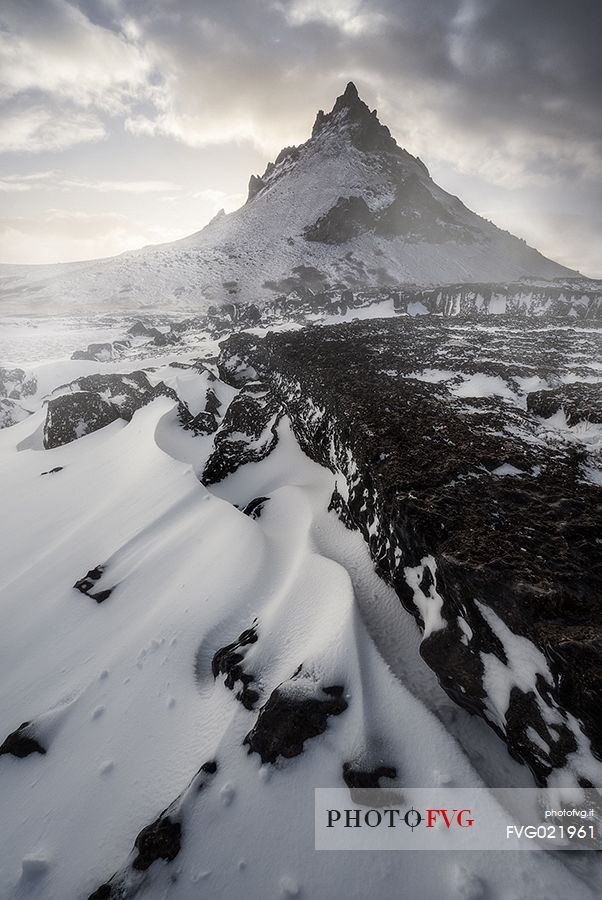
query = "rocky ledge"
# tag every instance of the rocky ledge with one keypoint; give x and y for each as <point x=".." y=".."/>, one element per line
<point x="480" y="502"/>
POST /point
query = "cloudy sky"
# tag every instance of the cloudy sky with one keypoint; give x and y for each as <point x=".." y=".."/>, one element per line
<point x="128" y="122"/>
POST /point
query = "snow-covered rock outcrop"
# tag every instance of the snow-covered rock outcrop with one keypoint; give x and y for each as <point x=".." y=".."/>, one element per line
<point x="482" y="518"/>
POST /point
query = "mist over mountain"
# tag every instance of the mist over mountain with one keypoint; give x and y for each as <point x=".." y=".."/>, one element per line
<point x="347" y="209"/>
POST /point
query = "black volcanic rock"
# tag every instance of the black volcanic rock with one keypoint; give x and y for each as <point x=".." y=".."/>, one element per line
<point x="484" y="522"/>
<point x="93" y="401"/>
<point x="248" y="433"/>
<point x="74" y="415"/>
<point x="348" y="217"/>
<point x="16" y="383"/>
<point x="228" y="661"/>
<point x="139" y="329"/>
<point x="101" y="893"/>
<point x="295" y="712"/>
<point x="95" y="352"/>
<point x="254" y="507"/>
<point x="128" y="392"/>
<point x="11" y="412"/>
<point x="366" y="132"/>
<point x="89" y="586"/>
<point x="581" y="402"/>
<point x="22" y="742"/>
<point x="416" y="214"/>
<point x="256" y="183"/>
<point x="355" y="777"/>
<point x="159" y="840"/>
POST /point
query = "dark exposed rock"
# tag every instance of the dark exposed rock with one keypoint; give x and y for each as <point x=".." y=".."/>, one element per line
<point x="416" y="214"/>
<point x="339" y="506"/>
<point x="87" y="585"/>
<point x="307" y="291"/>
<point x="363" y="778"/>
<point x="363" y="781"/>
<point x="11" y="412"/>
<point x="94" y="401"/>
<point x="221" y="318"/>
<point x="295" y="712"/>
<point x="348" y="217"/>
<point x="526" y="743"/>
<point x="16" y="383"/>
<point x="128" y="392"/>
<point x="139" y="329"/>
<point x="101" y="893"/>
<point x="159" y="840"/>
<point x="465" y="508"/>
<point x="212" y="403"/>
<point x="95" y="352"/>
<point x="166" y="338"/>
<point x="365" y="131"/>
<point x="228" y="661"/>
<point x="53" y="471"/>
<point x="254" y="507"/>
<point x="522" y="298"/>
<point x="74" y="415"/>
<point x="156" y="337"/>
<point x="581" y="402"/>
<point x="203" y="423"/>
<point x="247" y="433"/>
<point x="22" y="742"/>
<point x="256" y="183"/>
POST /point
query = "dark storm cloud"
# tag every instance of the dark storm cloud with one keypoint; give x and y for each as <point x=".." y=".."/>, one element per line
<point x="523" y="76"/>
<point x="506" y="91"/>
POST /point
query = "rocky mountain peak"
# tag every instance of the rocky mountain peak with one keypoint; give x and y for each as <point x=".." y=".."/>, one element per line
<point x="351" y="114"/>
<point x="350" y="97"/>
<point x="350" y="121"/>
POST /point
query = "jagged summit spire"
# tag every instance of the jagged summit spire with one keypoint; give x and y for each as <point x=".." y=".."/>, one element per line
<point x="350" y="122"/>
<point x="365" y="130"/>
<point x="350" y="100"/>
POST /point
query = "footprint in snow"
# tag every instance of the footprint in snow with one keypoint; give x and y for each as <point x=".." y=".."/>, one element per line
<point x="469" y="885"/>
<point x="289" y="886"/>
<point x="227" y="794"/>
<point x="34" y="866"/>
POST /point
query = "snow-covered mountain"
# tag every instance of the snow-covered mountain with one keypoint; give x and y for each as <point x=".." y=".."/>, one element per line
<point x="349" y="208"/>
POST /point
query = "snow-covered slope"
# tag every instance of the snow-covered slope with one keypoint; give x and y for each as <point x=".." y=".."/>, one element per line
<point x="193" y="608"/>
<point x="347" y="208"/>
